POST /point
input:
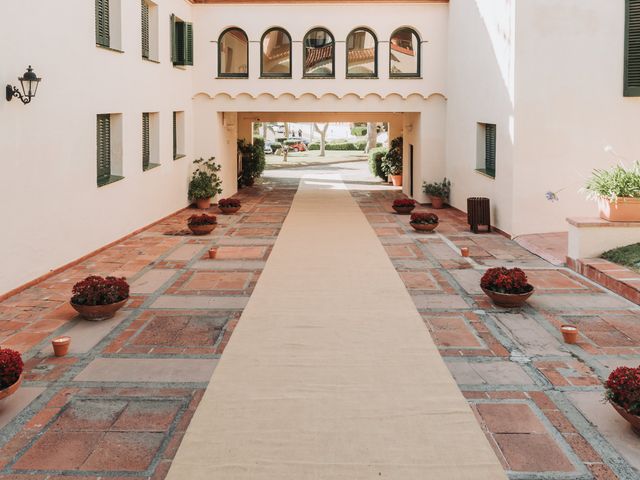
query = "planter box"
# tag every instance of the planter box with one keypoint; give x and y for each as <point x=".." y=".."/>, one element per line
<point x="624" y="210"/>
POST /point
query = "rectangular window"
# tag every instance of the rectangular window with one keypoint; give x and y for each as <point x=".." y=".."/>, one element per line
<point x="103" y="142"/>
<point x="149" y="34"/>
<point x="181" y="42"/>
<point x="145" y="29"/>
<point x="632" y="49"/>
<point x="150" y="137"/>
<point x="178" y="135"/>
<point x="486" y="156"/>
<point x="108" y="24"/>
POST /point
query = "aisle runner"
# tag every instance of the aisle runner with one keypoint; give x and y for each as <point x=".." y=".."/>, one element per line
<point x="331" y="372"/>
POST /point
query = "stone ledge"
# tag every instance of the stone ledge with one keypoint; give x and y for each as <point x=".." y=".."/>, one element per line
<point x="590" y="222"/>
<point x="621" y="280"/>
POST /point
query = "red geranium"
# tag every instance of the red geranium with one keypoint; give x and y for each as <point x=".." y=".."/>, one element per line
<point x="229" y="203"/>
<point x="96" y="290"/>
<point x="505" y="280"/>
<point x="11" y="367"/>
<point x="424" y="218"/>
<point x="203" y="219"/>
<point x="404" y="203"/>
<point x="623" y="388"/>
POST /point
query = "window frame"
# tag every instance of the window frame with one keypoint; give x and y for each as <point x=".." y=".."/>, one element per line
<point x="276" y="75"/>
<point x="184" y="58"/>
<point x="418" y="74"/>
<point x="375" y="62"/>
<point x="103" y="148"/>
<point x="304" y="55"/>
<point x="103" y="7"/>
<point x="487" y="143"/>
<point x="231" y="75"/>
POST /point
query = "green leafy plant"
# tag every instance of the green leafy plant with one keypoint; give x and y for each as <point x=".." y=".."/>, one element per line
<point x="629" y="256"/>
<point x="376" y="155"/>
<point x="614" y="183"/>
<point x="205" y="182"/>
<point x="438" y="189"/>
<point x="253" y="160"/>
<point x="392" y="161"/>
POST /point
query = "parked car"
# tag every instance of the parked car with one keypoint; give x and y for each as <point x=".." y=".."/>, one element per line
<point x="297" y="147"/>
<point x="268" y="148"/>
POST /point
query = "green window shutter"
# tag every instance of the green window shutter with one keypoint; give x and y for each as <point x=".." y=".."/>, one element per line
<point x="145" y="29"/>
<point x="103" y="144"/>
<point x="175" y="136"/>
<point x="188" y="44"/>
<point x="146" y="150"/>
<point x="490" y="149"/>
<point x="102" y="23"/>
<point x="632" y="49"/>
<point x="174" y="48"/>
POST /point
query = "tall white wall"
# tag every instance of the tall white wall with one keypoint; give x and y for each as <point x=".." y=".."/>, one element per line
<point x="481" y="88"/>
<point x="51" y="208"/>
<point x="570" y="106"/>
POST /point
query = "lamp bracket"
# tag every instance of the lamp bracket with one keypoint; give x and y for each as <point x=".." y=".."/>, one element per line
<point x="14" y="92"/>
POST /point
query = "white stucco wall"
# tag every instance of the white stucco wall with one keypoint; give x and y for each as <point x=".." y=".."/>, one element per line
<point x="481" y="88"/>
<point x="51" y="208"/>
<point x="570" y="106"/>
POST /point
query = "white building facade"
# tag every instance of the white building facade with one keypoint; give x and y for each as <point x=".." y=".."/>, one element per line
<point x="509" y="99"/>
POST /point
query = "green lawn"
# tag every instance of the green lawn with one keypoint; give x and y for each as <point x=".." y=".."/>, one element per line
<point x="628" y="256"/>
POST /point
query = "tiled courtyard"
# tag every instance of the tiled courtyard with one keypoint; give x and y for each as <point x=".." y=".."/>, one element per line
<point x="120" y="402"/>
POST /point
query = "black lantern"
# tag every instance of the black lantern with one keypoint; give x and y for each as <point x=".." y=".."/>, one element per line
<point x="29" y="82"/>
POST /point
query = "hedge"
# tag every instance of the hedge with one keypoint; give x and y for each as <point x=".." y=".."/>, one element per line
<point x="361" y="145"/>
<point x="375" y="161"/>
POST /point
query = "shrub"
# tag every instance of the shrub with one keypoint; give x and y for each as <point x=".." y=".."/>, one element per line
<point x="392" y="161"/>
<point x="203" y="219"/>
<point x="504" y="280"/>
<point x="229" y="203"/>
<point x="253" y="159"/>
<point x="629" y="256"/>
<point x="205" y="182"/>
<point x="96" y="290"/>
<point x="623" y="388"/>
<point x="358" y="131"/>
<point x="438" y="189"/>
<point x="614" y="183"/>
<point x="342" y="146"/>
<point x="422" y="218"/>
<point x="375" y="162"/>
<point x="11" y="367"/>
<point x="404" y="202"/>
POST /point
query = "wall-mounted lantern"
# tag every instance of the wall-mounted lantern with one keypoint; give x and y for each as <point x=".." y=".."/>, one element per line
<point x="29" y="82"/>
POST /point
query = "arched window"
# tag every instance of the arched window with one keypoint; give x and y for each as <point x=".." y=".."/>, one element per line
<point x="276" y="54"/>
<point x="362" y="53"/>
<point x="233" y="54"/>
<point x="404" y="53"/>
<point x="319" y="53"/>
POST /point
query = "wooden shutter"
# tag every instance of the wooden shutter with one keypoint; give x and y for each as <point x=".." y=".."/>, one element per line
<point x="174" y="48"/>
<point x="181" y="42"/>
<point x="632" y="49"/>
<point x="145" y="29"/>
<point x="188" y="44"/>
<point x="175" y="136"/>
<point x="103" y="143"/>
<point x="102" y="23"/>
<point x="146" y="151"/>
<point x="490" y="149"/>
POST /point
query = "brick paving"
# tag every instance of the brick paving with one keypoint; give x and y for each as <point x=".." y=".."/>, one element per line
<point x="118" y="405"/>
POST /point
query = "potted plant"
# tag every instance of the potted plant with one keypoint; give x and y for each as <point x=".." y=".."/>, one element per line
<point x="622" y="390"/>
<point x="229" y="205"/>
<point x="98" y="298"/>
<point x="404" y="205"/>
<point x="617" y="192"/>
<point x="202" y="224"/>
<point x="205" y="182"/>
<point x="506" y="287"/>
<point x="438" y="192"/>
<point x="424" y="222"/>
<point x="11" y="368"/>
<point x="392" y="162"/>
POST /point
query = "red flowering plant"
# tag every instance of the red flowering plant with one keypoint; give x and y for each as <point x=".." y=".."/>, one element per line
<point x="424" y="218"/>
<point x="505" y="280"/>
<point x="11" y="367"/>
<point x="96" y="290"/>
<point x="229" y="203"/>
<point x="404" y="203"/>
<point x="623" y="388"/>
<point x="203" y="219"/>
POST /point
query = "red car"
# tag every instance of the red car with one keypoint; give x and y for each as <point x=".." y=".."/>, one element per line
<point x="297" y="147"/>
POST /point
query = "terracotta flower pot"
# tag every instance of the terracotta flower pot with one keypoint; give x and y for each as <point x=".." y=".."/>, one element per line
<point x="424" y="227"/>
<point x="464" y="251"/>
<point x="11" y="389"/>
<point x="212" y="253"/>
<point x="99" y="312"/>
<point x="61" y="346"/>
<point x="634" y="420"/>
<point x="203" y="203"/>
<point x="624" y="210"/>
<point x="569" y="334"/>
<point x="396" y="180"/>
<point x="228" y="210"/>
<point x="437" y="202"/>
<point x="201" y="229"/>
<point x="508" y="300"/>
<point x="403" y="210"/>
